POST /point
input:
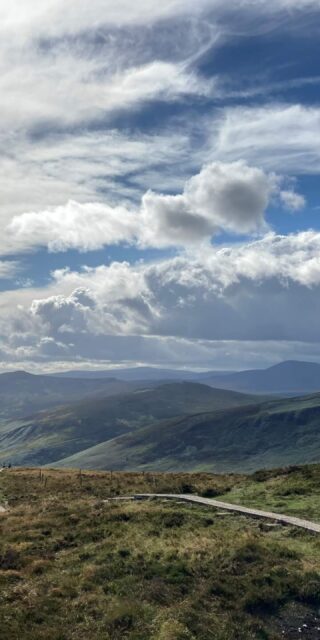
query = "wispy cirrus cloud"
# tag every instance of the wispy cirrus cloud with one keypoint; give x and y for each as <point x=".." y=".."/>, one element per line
<point x="63" y="81"/>
<point x="9" y="269"/>
<point x="272" y="136"/>
<point x="65" y="73"/>
<point x="86" y="165"/>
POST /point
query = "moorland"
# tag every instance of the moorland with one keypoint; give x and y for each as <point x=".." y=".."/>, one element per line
<point x="73" y="566"/>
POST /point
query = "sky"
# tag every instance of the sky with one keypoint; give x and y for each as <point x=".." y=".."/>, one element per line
<point x="159" y="183"/>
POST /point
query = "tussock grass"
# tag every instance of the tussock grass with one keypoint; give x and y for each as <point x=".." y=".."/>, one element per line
<point x="74" y="567"/>
<point x="294" y="490"/>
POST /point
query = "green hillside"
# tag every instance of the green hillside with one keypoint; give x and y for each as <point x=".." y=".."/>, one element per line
<point x="240" y="439"/>
<point x="51" y="435"/>
<point x="22" y="393"/>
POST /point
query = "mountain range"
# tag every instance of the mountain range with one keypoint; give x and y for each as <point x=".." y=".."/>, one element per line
<point x="289" y="377"/>
<point x="105" y="423"/>
<point x="50" y="435"/>
<point x="241" y="439"/>
<point x="23" y="393"/>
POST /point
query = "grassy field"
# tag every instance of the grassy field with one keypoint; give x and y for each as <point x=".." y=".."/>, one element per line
<point x="296" y="492"/>
<point x="75" y="567"/>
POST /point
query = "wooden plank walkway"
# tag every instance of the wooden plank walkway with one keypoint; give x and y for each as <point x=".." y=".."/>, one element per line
<point x="254" y="513"/>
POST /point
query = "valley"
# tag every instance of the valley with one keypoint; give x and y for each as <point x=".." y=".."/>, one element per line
<point x="50" y="435"/>
<point x="157" y="425"/>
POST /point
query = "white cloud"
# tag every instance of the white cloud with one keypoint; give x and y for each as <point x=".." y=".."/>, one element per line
<point x="56" y="16"/>
<point x="67" y="69"/>
<point x="65" y="72"/>
<point x="68" y="88"/>
<point x="292" y="201"/>
<point x="87" y="166"/>
<point x="63" y="67"/>
<point x="73" y="226"/>
<point x="8" y="269"/>
<point x="84" y="166"/>
<point x="70" y="65"/>
<point x="260" y="293"/>
<point x="276" y="137"/>
<point x="224" y="293"/>
<point x="66" y="314"/>
<point x="230" y="197"/>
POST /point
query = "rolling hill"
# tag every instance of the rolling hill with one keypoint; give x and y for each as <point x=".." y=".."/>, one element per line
<point x="239" y="439"/>
<point x="290" y="377"/>
<point x="133" y="374"/>
<point x="51" y="435"/>
<point x="23" y="393"/>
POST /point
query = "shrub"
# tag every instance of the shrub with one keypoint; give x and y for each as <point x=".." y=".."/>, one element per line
<point x="212" y="492"/>
<point x="173" y="520"/>
<point x="309" y="592"/>
<point x="10" y="560"/>
<point x="187" y="488"/>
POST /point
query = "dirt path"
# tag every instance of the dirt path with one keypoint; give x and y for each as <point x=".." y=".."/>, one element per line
<point x="255" y="513"/>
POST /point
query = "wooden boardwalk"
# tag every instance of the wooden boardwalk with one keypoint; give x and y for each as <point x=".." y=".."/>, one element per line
<point x="209" y="502"/>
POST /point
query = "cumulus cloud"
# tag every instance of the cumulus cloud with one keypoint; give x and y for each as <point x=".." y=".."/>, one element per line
<point x="228" y="293"/>
<point x="292" y="201"/>
<point x="230" y="197"/>
<point x="235" y="296"/>
<point x="74" y="226"/>
<point x="64" y="314"/>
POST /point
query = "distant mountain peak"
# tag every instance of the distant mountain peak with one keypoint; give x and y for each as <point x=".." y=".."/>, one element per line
<point x="290" y="364"/>
<point x="20" y="373"/>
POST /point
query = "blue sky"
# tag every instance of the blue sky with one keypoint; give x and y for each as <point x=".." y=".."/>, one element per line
<point x="160" y="183"/>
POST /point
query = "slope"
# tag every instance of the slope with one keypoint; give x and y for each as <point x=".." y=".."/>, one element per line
<point x="51" y="435"/>
<point x="240" y="439"/>
<point x="290" y="377"/>
<point x="23" y="393"/>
